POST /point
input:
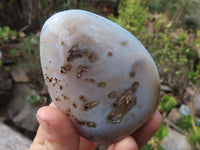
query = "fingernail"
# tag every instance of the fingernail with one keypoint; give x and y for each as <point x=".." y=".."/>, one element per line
<point x="45" y="126"/>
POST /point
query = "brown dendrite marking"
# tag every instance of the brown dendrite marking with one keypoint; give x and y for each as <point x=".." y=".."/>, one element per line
<point x="49" y="79"/>
<point x="123" y="43"/>
<point x="65" y="97"/>
<point x="86" y="104"/>
<point x="57" y="99"/>
<point x="80" y="70"/>
<point x="74" y="105"/>
<point x="56" y="82"/>
<point x="82" y="98"/>
<point x="62" y="43"/>
<point x="69" y="110"/>
<point x="135" y="86"/>
<point x="132" y="74"/>
<point x="89" y="105"/>
<point x="67" y="114"/>
<point x="75" y="52"/>
<point x="112" y="94"/>
<point x="101" y="84"/>
<point x="92" y="58"/>
<point x="91" y="124"/>
<point x="92" y="81"/>
<point x="46" y="67"/>
<point x="65" y="68"/>
<point x="123" y="104"/>
<point x="110" y="54"/>
<point x="87" y="123"/>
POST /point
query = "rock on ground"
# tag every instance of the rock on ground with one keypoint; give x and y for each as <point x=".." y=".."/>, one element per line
<point x="12" y="140"/>
<point x="19" y="109"/>
<point x="174" y="115"/>
<point x="19" y="75"/>
<point x="175" y="141"/>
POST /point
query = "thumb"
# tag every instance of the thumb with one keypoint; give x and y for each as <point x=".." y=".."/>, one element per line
<point x="55" y="132"/>
<point x="127" y="143"/>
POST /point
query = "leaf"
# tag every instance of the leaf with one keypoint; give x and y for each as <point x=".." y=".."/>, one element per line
<point x="7" y="68"/>
<point x="167" y="103"/>
<point x="34" y="99"/>
<point x="185" y="122"/>
<point x="162" y="132"/>
<point x="169" y="24"/>
<point x="160" y="147"/>
<point x="195" y="138"/>
<point x="147" y="147"/>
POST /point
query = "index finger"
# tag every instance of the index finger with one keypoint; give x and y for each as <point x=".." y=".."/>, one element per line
<point x="147" y="130"/>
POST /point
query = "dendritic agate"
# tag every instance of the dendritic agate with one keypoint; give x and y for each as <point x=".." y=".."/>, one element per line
<point x="98" y="74"/>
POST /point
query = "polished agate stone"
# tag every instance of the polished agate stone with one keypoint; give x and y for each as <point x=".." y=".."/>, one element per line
<point x="98" y="74"/>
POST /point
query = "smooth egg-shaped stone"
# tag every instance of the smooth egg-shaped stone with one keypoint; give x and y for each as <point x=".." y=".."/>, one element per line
<point x="98" y="74"/>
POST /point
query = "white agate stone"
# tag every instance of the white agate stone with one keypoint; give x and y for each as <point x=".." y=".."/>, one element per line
<point x="98" y="74"/>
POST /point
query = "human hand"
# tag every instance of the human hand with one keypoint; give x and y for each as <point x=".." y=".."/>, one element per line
<point x="56" y="132"/>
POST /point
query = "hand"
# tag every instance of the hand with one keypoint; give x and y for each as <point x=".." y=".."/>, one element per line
<point x="56" y="132"/>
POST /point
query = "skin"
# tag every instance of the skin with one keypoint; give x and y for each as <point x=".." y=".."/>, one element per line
<point x="56" y="132"/>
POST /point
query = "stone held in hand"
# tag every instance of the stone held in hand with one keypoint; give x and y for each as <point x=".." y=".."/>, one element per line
<point x="98" y="74"/>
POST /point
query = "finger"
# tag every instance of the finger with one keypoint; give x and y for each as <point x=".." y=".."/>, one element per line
<point x="40" y="136"/>
<point x="146" y="131"/>
<point x="39" y="140"/>
<point x="58" y="129"/>
<point x="127" y="143"/>
<point x="86" y="145"/>
<point x="52" y="105"/>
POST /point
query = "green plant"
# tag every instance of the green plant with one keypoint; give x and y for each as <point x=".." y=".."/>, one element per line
<point x="175" y="50"/>
<point x="194" y="137"/>
<point x="175" y="54"/>
<point x="162" y="132"/>
<point x="29" y="48"/>
<point x="29" y="58"/>
<point x="172" y="50"/>
<point x="14" y="52"/>
<point x="147" y="147"/>
<point x="36" y="99"/>
<point x="6" y="34"/>
<point x="187" y="123"/>
<point x="167" y="103"/>
<point x="181" y="12"/>
<point x="132" y="16"/>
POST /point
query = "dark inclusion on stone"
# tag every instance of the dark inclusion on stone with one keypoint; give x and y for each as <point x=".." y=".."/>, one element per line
<point x="80" y="70"/>
<point x="86" y="104"/>
<point x="65" y="68"/>
<point x="75" y="52"/>
<point x="123" y="104"/>
<point x="87" y="123"/>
